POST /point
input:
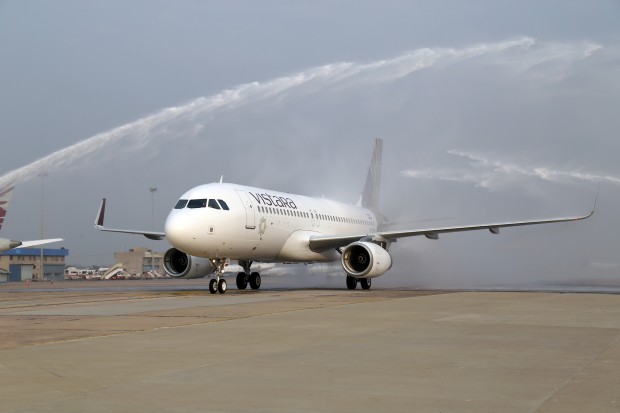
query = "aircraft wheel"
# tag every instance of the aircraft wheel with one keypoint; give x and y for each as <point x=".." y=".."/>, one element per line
<point x="221" y="286"/>
<point x="351" y="282"/>
<point x="242" y="281"/>
<point x="255" y="280"/>
<point x="366" y="283"/>
<point x="213" y="286"/>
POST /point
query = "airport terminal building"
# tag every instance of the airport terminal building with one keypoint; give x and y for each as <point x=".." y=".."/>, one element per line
<point x="139" y="260"/>
<point x="21" y="264"/>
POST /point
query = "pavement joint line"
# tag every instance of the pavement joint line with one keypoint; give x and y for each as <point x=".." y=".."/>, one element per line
<point x="571" y="379"/>
<point x="71" y="303"/>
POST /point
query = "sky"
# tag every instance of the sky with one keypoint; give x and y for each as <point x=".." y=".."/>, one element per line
<point x="490" y="111"/>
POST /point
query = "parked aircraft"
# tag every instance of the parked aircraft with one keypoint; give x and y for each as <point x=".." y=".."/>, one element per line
<point x="214" y="223"/>
<point x="6" y="244"/>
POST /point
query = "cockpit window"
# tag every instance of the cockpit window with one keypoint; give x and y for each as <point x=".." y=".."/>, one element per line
<point x="223" y="204"/>
<point x="213" y="204"/>
<point x="181" y="204"/>
<point x="197" y="203"/>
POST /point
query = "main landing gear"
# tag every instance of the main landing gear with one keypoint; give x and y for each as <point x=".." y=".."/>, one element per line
<point x="364" y="282"/>
<point x="243" y="278"/>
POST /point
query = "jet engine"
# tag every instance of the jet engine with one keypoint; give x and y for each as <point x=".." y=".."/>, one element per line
<point x="180" y="265"/>
<point x="365" y="260"/>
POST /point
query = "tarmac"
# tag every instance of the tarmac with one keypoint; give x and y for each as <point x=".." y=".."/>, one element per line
<point x="170" y="346"/>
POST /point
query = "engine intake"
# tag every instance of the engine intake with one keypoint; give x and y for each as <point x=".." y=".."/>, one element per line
<point x="365" y="260"/>
<point x="180" y="265"/>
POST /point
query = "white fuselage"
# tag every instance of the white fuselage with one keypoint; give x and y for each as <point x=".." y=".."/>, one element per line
<point x="260" y="224"/>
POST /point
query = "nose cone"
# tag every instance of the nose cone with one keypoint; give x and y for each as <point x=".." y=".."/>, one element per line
<point x="179" y="230"/>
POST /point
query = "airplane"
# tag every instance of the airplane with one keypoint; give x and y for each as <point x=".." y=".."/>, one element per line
<point x="214" y="223"/>
<point x="6" y="194"/>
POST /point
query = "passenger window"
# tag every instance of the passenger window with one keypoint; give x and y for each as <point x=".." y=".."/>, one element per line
<point x="180" y="204"/>
<point x="223" y="205"/>
<point x="213" y="204"/>
<point x="197" y="203"/>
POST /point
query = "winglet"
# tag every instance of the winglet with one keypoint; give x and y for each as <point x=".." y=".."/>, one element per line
<point x="100" y="215"/>
<point x="596" y="198"/>
<point x="594" y="206"/>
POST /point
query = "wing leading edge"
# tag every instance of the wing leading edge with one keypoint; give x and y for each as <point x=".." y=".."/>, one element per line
<point x="99" y="225"/>
<point x="324" y="243"/>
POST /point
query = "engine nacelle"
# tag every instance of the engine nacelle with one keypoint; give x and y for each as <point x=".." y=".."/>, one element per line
<point x="180" y="265"/>
<point x="365" y="260"/>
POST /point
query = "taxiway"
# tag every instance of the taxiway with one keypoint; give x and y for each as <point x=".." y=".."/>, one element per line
<point x="170" y="346"/>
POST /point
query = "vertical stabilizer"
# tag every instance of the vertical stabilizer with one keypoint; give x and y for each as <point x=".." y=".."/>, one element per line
<point x="5" y="197"/>
<point x="370" y="196"/>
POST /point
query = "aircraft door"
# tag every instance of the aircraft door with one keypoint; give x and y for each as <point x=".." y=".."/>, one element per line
<point x="250" y="213"/>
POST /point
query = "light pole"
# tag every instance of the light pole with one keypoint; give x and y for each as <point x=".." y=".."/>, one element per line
<point x="42" y="175"/>
<point x="152" y="190"/>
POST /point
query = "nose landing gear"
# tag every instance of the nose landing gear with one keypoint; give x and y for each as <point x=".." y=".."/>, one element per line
<point x="219" y="283"/>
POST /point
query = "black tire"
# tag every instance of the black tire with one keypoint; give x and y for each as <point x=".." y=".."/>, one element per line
<point x="351" y="282"/>
<point x="221" y="286"/>
<point x="213" y="286"/>
<point x="242" y="281"/>
<point x="366" y="283"/>
<point x="255" y="281"/>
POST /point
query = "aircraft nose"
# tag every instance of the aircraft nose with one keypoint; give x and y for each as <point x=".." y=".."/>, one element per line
<point x="178" y="229"/>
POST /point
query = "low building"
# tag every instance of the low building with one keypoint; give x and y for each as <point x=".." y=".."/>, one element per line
<point x="4" y="275"/>
<point x="25" y="263"/>
<point x="139" y="260"/>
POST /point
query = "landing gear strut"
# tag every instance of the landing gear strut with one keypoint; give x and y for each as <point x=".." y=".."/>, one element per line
<point x="245" y="278"/>
<point x="219" y="283"/>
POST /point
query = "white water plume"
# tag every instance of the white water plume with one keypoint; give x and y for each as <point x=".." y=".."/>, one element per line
<point x="193" y="115"/>
<point x="491" y="174"/>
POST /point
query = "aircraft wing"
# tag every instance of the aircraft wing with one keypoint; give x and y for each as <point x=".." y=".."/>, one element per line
<point x="99" y="225"/>
<point x="8" y="244"/>
<point x="324" y="243"/>
<point x="37" y="242"/>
